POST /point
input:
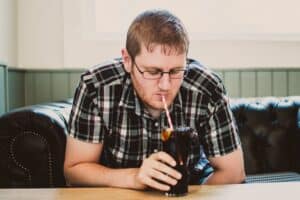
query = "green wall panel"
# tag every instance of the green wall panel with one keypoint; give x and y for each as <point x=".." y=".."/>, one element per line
<point x="3" y="97"/>
<point x="248" y="84"/>
<point x="16" y="89"/>
<point x="294" y="82"/>
<point x="29" y="88"/>
<point x="264" y="83"/>
<point x="280" y="85"/>
<point x="50" y="85"/>
<point x="232" y="83"/>
<point x="42" y="87"/>
<point x="60" y="85"/>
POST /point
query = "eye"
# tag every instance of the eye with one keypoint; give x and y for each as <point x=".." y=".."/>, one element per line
<point x="154" y="72"/>
<point x="176" y="71"/>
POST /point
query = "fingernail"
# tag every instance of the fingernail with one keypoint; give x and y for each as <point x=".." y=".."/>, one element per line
<point x="173" y="163"/>
<point x="179" y="176"/>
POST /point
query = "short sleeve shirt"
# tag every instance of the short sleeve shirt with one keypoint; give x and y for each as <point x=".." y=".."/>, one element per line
<point x="107" y="110"/>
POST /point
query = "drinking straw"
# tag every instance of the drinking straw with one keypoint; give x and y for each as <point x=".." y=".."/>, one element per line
<point x="167" y="111"/>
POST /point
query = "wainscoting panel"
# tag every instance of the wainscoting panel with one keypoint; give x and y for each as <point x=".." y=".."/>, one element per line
<point x="248" y="84"/>
<point x="264" y="83"/>
<point x="232" y="83"/>
<point x="16" y="91"/>
<point x="27" y="87"/>
<point x="261" y="82"/>
<point x="294" y="82"/>
<point x="45" y="86"/>
<point x="60" y="85"/>
<point x="3" y="91"/>
<point x="280" y="83"/>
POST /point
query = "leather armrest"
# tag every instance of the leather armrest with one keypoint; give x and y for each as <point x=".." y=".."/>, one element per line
<point x="32" y="141"/>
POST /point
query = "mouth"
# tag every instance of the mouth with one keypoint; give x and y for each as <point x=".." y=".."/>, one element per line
<point x="160" y="96"/>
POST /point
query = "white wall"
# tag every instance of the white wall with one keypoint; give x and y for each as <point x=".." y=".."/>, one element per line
<point x="40" y="34"/>
<point x="231" y="33"/>
<point x="8" y="32"/>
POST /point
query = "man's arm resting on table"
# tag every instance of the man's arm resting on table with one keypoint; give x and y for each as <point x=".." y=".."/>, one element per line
<point x="228" y="169"/>
<point x="82" y="168"/>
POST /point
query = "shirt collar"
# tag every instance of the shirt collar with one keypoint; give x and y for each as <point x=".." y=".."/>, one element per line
<point x="127" y="97"/>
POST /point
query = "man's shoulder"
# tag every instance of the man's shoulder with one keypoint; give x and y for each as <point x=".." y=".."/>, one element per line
<point x="202" y="79"/>
<point x="198" y="74"/>
<point x="105" y="74"/>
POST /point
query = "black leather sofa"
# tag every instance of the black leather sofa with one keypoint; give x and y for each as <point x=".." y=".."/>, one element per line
<point x="32" y="141"/>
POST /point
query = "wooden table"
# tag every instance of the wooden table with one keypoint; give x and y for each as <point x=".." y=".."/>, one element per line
<point x="272" y="191"/>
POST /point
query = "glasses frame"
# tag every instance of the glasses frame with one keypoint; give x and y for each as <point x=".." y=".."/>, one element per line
<point x="161" y="73"/>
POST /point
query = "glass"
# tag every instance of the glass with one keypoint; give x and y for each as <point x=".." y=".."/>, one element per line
<point x="176" y="73"/>
<point x="176" y="144"/>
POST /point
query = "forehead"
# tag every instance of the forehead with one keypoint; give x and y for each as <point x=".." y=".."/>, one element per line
<point x="164" y="48"/>
<point x="161" y="56"/>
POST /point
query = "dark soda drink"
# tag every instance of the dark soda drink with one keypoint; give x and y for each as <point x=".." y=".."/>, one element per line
<point x="176" y="144"/>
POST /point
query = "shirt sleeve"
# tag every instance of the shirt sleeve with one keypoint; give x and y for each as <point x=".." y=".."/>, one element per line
<point x="85" y="122"/>
<point x="221" y="133"/>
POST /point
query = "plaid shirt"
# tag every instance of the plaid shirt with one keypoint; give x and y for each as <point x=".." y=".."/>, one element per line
<point x="106" y="110"/>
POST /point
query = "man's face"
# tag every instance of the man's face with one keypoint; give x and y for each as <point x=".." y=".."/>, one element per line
<point x="151" y="91"/>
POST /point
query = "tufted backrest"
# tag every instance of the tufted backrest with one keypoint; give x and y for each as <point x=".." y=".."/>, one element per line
<point x="269" y="132"/>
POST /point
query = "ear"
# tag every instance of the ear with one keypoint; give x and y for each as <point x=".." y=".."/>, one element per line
<point x="126" y="60"/>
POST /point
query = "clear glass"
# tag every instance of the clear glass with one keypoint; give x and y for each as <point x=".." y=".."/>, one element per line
<point x="176" y="144"/>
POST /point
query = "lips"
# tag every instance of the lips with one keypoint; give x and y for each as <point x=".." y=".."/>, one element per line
<point x="162" y="94"/>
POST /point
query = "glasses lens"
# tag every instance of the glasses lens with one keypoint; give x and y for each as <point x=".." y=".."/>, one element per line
<point x="157" y="74"/>
<point x="151" y="75"/>
<point x="177" y="74"/>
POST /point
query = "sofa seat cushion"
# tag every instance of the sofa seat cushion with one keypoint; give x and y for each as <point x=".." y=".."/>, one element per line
<point x="273" y="177"/>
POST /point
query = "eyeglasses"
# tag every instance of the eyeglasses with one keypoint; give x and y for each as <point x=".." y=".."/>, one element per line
<point x="176" y="73"/>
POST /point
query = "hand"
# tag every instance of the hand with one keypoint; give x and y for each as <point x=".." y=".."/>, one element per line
<point x="155" y="173"/>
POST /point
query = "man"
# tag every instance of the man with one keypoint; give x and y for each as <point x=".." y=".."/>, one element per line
<point x="118" y="114"/>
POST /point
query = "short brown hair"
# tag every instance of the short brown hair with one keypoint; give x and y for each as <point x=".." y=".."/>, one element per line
<point x="157" y="27"/>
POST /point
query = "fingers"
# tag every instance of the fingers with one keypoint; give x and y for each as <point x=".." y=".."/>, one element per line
<point x="165" y="169"/>
<point x="155" y="184"/>
<point x="157" y="173"/>
<point x="156" y="179"/>
<point x="163" y="178"/>
<point x="164" y="157"/>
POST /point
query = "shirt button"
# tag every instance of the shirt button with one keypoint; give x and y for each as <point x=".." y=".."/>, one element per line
<point x="156" y="124"/>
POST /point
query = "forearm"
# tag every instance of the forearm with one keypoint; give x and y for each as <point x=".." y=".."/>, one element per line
<point x="228" y="169"/>
<point x="225" y="177"/>
<point x="93" y="174"/>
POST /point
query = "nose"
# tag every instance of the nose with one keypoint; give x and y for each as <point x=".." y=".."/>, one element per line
<point x="164" y="82"/>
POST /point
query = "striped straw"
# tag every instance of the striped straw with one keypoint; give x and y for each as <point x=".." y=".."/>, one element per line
<point x="167" y="111"/>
